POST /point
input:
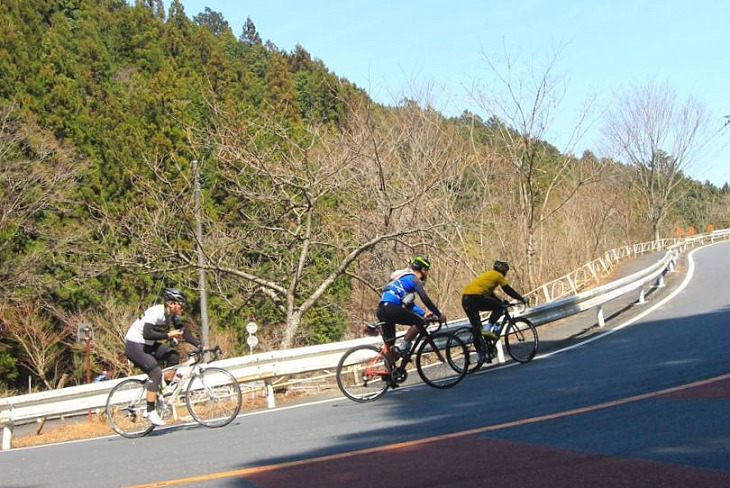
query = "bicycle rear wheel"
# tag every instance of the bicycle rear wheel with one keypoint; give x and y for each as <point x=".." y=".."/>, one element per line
<point x="125" y="408"/>
<point x="445" y="365"/>
<point x="213" y="397"/>
<point x="363" y="373"/>
<point x="521" y="340"/>
<point x="467" y="336"/>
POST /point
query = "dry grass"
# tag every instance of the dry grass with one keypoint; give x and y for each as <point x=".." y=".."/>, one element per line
<point x="82" y="428"/>
<point x="67" y="431"/>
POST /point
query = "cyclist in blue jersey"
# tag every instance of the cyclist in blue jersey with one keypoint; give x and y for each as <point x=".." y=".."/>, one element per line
<point x="397" y="304"/>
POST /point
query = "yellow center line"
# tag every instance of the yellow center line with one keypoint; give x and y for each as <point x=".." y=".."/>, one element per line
<point x="464" y="433"/>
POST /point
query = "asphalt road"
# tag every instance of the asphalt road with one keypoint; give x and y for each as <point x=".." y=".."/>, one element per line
<point x="642" y="402"/>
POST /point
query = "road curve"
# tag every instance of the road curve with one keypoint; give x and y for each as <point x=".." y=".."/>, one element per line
<point x="643" y="403"/>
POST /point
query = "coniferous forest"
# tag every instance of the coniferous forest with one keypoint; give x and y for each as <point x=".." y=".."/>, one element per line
<point x="141" y="145"/>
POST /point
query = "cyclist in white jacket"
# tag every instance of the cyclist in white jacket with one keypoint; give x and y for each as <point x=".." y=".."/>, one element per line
<point x="143" y="347"/>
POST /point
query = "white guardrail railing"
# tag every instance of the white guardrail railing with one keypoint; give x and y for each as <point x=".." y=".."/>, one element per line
<point x="267" y="367"/>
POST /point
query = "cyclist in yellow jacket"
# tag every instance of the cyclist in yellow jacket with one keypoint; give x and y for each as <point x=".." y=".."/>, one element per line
<point x="478" y="295"/>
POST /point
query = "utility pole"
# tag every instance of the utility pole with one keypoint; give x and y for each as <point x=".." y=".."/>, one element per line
<point x="201" y="256"/>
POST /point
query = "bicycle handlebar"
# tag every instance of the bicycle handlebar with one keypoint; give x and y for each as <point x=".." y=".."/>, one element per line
<point x="521" y="306"/>
<point x="433" y="320"/>
<point x="372" y="329"/>
<point x="199" y="353"/>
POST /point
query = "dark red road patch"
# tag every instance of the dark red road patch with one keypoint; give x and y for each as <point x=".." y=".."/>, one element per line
<point x="716" y="389"/>
<point x="478" y="461"/>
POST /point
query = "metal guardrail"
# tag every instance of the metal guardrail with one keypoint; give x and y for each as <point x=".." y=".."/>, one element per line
<point x="590" y="273"/>
<point x="267" y="366"/>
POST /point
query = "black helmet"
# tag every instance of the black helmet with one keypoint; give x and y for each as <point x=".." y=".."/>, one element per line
<point x="175" y="295"/>
<point x="420" y="262"/>
<point x="501" y="266"/>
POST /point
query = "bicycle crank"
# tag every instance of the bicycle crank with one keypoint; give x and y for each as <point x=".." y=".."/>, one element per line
<point x="399" y="374"/>
<point x="164" y="409"/>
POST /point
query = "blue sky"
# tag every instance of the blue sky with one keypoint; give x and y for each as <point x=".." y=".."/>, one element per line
<point x="395" y="49"/>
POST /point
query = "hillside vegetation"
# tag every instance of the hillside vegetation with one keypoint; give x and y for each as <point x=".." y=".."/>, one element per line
<point x="112" y="116"/>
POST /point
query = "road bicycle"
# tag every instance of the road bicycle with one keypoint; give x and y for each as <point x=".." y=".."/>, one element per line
<point x="211" y="394"/>
<point x="518" y="335"/>
<point x="365" y="372"/>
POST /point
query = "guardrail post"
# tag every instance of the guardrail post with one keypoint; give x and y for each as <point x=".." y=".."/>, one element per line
<point x="659" y="281"/>
<point x="546" y="293"/>
<point x="270" y="400"/>
<point x="572" y="284"/>
<point x="641" y="295"/>
<point x="592" y="269"/>
<point x="599" y="317"/>
<point x="500" y="352"/>
<point x="7" y="436"/>
<point x="604" y="265"/>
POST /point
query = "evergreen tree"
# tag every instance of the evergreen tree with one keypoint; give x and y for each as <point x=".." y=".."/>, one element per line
<point x="250" y="34"/>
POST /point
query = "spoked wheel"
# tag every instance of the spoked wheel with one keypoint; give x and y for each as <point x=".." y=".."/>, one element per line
<point x="467" y="337"/>
<point x="125" y="408"/>
<point x="213" y="397"/>
<point x="364" y="373"/>
<point x="445" y="365"/>
<point x="521" y="340"/>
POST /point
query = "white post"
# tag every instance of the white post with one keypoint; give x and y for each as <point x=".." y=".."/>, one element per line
<point x="601" y="321"/>
<point x="270" y="401"/>
<point x="7" y="437"/>
<point x="500" y="352"/>
<point x="660" y="281"/>
<point x="546" y="293"/>
<point x="641" y="295"/>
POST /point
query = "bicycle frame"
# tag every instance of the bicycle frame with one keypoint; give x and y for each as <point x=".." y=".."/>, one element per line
<point x="169" y="399"/>
<point x="514" y="331"/>
<point x="386" y="356"/>
<point x="366" y="372"/>
<point x="195" y="365"/>
<point x="423" y="335"/>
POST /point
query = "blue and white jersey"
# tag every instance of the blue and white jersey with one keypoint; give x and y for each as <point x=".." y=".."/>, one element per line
<point x="402" y="290"/>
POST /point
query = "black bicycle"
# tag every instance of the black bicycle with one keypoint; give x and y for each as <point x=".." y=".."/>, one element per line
<point x="365" y="372"/>
<point x="517" y="334"/>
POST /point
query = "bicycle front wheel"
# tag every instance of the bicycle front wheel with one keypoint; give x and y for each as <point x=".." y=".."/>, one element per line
<point x="125" y="408"/>
<point x="467" y="336"/>
<point x="521" y="340"/>
<point x="213" y="397"/>
<point x="442" y="360"/>
<point x="363" y="373"/>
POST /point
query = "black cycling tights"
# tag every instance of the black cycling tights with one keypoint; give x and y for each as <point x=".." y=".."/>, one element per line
<point x="147" y="358"/>
<point x="392" y="314"/>
<point x="473" y="304"/>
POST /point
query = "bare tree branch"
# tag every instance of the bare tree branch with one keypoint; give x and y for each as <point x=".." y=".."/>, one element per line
<point x="659" y="135"/>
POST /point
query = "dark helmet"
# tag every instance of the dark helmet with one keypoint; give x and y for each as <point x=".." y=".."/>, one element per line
<point x="501" y="266"/>
<point x="175" y="295"/>
<point x="420" y="262"/>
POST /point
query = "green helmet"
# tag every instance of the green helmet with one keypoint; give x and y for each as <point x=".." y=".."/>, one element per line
<point x="420" y="262"/>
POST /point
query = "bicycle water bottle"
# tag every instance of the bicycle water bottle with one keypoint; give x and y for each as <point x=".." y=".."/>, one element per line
<point x="179" y="374"/>
<point x="164" y="390"/>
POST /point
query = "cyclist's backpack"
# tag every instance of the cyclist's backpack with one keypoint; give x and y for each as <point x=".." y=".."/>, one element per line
<point x="408" y="299"/>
